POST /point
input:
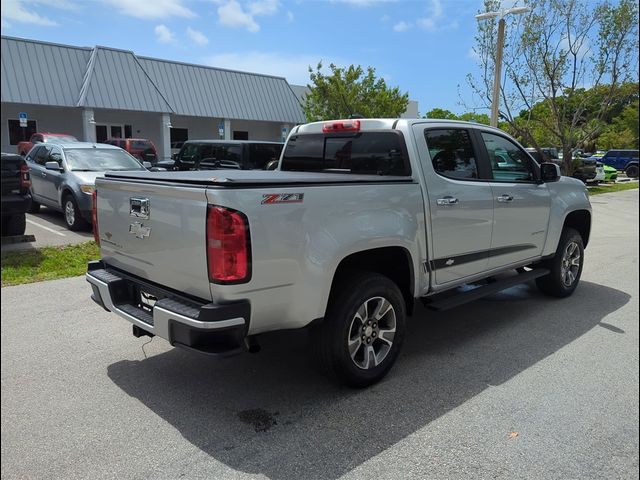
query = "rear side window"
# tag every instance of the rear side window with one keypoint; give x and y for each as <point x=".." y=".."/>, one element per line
<point x="367" y="153"/>
<point x="451" y="153"/>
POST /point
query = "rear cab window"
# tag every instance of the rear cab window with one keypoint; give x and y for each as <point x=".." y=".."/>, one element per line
<point x="364" y="153"/>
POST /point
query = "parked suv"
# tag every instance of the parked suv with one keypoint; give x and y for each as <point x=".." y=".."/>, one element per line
<point x="141" y="148"/>
<point x="624" y="160"/>
<point x="15" y="194"/>
<point x="224" y="154"/>
<point x="63" y="176"/>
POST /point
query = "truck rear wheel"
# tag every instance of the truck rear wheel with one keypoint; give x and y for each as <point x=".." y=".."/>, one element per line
<point x="565" y="266"/>
<point x="13" y="224"/>
<point x="361" y="335"/>
<point x="632" y="171"/>
<point x="34" y="207"/>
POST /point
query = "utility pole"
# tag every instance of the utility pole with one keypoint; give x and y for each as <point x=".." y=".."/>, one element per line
<point x="495" y="99"/>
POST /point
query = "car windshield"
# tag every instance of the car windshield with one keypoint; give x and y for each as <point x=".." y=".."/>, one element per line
<point x="100" y="160"/>
<point x="60" y="138"/>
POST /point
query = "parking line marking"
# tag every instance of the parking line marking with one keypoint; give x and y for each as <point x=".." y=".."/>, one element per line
<point x="46" y="228"/>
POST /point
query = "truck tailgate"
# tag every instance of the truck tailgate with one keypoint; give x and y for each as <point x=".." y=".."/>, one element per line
<point x="156" y="232"/>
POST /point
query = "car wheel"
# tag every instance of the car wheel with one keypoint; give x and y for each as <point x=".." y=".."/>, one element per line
<point x="72" y="216"/>
<point x="14" y="224"/>
<point x="34" y="207"/>
<point x="632" y="171"/>
<point x="565" y="266"/>
<point x="361" y="335"/>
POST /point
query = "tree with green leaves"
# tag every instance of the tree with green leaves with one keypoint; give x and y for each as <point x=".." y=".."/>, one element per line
<point x="449" y="115"/>
<point x="351" y="91"/>
<point x="563" y="65"/>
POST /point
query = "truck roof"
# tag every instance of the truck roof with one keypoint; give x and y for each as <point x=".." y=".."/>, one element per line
<point x="384" y="124"/>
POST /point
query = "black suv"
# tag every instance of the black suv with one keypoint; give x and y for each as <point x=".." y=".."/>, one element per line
<point x="15" y="194"/>
<point x="226" y="154"/>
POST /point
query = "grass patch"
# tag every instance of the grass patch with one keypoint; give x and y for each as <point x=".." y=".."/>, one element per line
<point x="49" y="263"/>
<point x="614" y="187"/>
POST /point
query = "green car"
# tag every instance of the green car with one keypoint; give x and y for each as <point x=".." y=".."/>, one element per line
<point x="610" y="174"/>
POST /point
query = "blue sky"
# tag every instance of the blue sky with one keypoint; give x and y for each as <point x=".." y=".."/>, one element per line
<point x="421" y="46"/>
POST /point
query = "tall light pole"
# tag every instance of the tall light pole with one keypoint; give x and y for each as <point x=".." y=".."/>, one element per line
<point x="495" y="99"/>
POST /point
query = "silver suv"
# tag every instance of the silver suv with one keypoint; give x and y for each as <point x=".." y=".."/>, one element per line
<point x="63" y="176"/>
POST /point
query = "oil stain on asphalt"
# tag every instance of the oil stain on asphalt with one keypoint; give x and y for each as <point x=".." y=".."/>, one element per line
<point x="258" y="418"/>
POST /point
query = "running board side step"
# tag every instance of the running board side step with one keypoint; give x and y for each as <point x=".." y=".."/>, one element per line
<point x="489" y="289"/>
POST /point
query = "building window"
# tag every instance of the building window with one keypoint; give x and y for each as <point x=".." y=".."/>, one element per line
<point x="19" y="134"/>
<point x="128" y="131"/>
<point x="179" y="135"/>
<point x="238" y="135"/>
<point x="101" y="133"/>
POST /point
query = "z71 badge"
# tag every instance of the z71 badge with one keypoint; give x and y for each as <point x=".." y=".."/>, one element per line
<point x="269" y="198"/>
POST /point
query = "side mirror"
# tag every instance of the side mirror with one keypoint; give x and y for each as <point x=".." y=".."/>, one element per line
<point x="53" y="166"/>
<point x="549" y="172"/>
<point x="147" y="165"/>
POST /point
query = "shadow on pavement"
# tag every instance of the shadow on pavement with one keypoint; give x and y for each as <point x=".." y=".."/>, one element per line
<point x="273" y="414"/>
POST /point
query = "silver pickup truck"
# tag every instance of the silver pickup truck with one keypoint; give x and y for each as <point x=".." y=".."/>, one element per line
<point x="361" y="218"/>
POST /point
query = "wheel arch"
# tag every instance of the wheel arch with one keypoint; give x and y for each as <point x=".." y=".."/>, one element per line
<point x="393" y="262"/>
<point x="581" y="221"/>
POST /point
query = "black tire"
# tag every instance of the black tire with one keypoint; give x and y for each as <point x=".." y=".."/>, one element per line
<point x="632" y="171"/>
<point x="331" y="337"/>
<point x="72" y="216"/>
<point x="16" y="224"/>
<point x="558" y="283"/>
<point x="34" y="207"/>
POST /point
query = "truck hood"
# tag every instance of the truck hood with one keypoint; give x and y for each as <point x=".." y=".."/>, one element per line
<point x="240" y="178"/>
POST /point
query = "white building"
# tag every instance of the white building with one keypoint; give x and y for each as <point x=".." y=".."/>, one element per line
<point x="99" y="93"/>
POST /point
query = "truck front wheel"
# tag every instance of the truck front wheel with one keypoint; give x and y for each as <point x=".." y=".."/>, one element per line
<point x="361" y="335"/>
<point x="565" y="266"/>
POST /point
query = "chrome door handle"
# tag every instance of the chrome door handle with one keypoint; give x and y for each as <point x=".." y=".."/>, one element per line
<point x="43" y="174"/>
<point x="505" y="198"/>
<point x="447" y="201"/>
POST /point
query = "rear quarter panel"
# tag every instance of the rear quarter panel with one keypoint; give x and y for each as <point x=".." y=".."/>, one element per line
<point x="297" y="247"/>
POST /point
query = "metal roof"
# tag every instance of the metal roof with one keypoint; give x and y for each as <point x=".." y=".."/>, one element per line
<point x="201" y="91"/>
<point x="114" y="79"/>
<point x="44" y="73"/>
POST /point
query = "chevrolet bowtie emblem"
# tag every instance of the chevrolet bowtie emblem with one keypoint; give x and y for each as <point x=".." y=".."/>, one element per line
<point x="139" y="230"/>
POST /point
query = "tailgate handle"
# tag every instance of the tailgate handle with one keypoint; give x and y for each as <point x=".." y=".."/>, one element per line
<point x="139" y="207"/>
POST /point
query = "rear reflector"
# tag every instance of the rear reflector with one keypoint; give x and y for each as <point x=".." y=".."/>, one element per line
<point x="25" y="178"/>
<point x="228" y="246"/>
<point x="341" y="126"/>
<point x="94" y="216"/>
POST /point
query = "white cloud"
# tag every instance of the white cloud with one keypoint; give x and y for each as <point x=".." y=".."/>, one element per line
<point x="295" y="68"/>
<point x="264" y="7"/>
<point x="15" y="10"/>
<point x="163" y="34"/>
<point x="436" y="19"/>
<point x="401" y="26"/>
<point x="232" y="14"/>
<point x="290" y="16"/>
<point x="197" y="37"/>
<point x="155" y="9"/>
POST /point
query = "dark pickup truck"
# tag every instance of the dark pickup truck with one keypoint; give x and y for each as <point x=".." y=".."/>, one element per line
<point x="15" y="194"/>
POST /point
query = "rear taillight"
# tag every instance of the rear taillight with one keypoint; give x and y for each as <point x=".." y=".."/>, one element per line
<point x="94" y="216"/>
<point x="25" y="178"/>
<point x="228" y="246"/>
<point x="341" y="126"/>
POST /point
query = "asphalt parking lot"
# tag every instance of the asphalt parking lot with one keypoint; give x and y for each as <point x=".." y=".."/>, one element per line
<point x="513" y="386"/>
